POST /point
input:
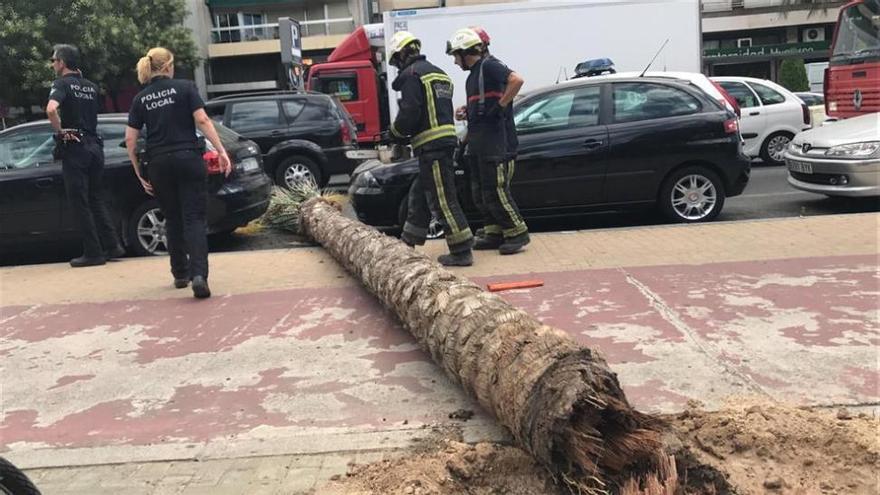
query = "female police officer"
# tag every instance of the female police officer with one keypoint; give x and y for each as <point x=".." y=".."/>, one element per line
<point x="171" y="110"/>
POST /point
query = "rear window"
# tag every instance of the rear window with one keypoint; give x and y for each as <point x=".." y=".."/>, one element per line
<point x="255" y="115"/>
<point x="744" y="96"/>
<point x="647" y="101"/>
<point x="317" y="109"/>
<point x="768" y="95"/>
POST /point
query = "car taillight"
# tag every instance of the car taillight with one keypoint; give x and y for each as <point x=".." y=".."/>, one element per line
<point x="731" y="126"/>
<point x="345" y="131"/>
<point x="212" y="162"/>
<point x="806" y="110"/>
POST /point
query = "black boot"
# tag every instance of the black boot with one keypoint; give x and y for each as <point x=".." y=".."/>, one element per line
<point x="514" y="244"/>
<point x="87" y="261"/>
<point x="200" y="287"/>
<point x="456" y="259"/>
<point x="114" y="252"/>
<point x="181" y="283"/>
<point x="488" y="242"/>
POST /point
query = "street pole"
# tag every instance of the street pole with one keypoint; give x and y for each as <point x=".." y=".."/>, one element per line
<point x="291" y="51"/>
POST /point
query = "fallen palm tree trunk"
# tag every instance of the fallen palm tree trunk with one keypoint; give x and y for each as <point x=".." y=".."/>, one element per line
<point x="560" y="400"/>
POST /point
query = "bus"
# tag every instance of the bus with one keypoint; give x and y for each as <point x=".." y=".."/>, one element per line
<point x="852" y="80"/>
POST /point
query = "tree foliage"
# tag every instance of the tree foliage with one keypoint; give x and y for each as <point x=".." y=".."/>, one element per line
<point x="793" y="75"/>
<point x="111" y="34"/>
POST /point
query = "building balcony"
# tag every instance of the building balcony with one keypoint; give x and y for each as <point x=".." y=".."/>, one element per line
<point x="727" y="7"/>
<point x="263" y="38"/>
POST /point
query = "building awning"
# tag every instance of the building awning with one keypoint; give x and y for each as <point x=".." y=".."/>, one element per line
<point x="765" y="52"/>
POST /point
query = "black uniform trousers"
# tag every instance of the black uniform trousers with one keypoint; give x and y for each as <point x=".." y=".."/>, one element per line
<point x="490" y="190"/>
<point x="82" y="166"/>
<point x="433" y="192"/>
<point x="180" y="182"/>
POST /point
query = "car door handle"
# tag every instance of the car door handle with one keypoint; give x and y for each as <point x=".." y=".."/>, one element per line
<point x="593" y="143"/>
<point x="755" y="113"/>
<point x="45" y="182"/>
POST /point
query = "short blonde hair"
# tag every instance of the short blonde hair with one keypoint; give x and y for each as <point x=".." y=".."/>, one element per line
<point x="157" y="61"/>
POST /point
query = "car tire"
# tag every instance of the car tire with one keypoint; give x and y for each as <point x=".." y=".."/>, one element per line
<point x="297" y="167"/>
<point x="13" y="481"/>
<point x="145" y="233"/>
<point x="774" y="146"/>
<point x="435" y="228"/>
<point x="692" y="194"/>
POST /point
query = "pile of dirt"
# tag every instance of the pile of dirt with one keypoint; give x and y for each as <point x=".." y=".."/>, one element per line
<point x="748" y="447"/>
<point x="764" y="447"/>
<point x="456" y="468"/>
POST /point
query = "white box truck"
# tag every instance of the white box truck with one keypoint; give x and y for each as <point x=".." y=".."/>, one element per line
<point x="541" y="40"/>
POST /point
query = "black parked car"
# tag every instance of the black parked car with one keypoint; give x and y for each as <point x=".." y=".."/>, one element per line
<point x="33" y="206"/>
<point x="302" y="135"/>
<point x="598" y="145"/>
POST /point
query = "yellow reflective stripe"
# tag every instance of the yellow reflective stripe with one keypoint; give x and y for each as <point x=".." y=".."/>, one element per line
<point x="510" y="166"/>
<point x="432" y="134"/>
<point x="395" y="131"/>
<point x="458" y="238"/>
<point x="429" y="95"/>
<point x="441" y="195"/>
<point x="432" y="109"/>
<point x="502" y="196"/>
<point x="492" y="229"/>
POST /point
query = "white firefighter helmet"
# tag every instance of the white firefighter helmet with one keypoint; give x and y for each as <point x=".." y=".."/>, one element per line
<point x="401" y="40"/>
<point x="463" y="39"/>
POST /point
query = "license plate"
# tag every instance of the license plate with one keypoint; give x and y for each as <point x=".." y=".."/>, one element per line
<point x="802" y="167"/>
<point x="249" y="164"/>
<point x="362" y="154"/>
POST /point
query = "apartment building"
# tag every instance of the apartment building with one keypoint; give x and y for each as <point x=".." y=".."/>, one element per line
<point x="239" y="38"/>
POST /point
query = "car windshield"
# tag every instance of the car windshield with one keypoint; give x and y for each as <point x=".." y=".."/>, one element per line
<point x="858" y="33"/>
<point x="25" y="149"/>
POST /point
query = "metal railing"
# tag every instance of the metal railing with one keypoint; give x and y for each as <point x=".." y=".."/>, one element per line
<point x="257" y="32"/>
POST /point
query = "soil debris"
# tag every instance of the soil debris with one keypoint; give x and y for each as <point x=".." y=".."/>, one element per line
<point x="751" y="446"/>
<point x="462" y="414"/>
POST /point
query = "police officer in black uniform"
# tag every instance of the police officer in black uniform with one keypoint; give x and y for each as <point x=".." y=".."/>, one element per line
<point x="425" y="119"/>
<point x="491" y="139"/>
<point x="171" y="109"/>
<point x="81" y="151"/>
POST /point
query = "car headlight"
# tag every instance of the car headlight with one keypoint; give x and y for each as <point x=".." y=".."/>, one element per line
<point x="867" y="149"/>
<point x="366" y="183"/>
<point x="794" y="148"/>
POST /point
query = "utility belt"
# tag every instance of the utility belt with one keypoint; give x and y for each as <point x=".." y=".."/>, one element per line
<point x="154" y="152"/>
<point x="72" y="137"/>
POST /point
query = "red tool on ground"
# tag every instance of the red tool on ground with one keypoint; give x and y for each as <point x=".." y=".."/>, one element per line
<point x="525" y="284"/>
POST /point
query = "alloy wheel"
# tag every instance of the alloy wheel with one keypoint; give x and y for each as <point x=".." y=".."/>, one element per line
<point x="694" y="197"/>
<point x="297" y="173"/>
<point x="435" y="229"/>
<point x="777" y="146"/>
<point x="151" y="232"/>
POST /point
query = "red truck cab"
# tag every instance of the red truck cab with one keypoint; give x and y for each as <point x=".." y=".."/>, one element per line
<point x="352" y="75"/>
<point x="852" y="80"/>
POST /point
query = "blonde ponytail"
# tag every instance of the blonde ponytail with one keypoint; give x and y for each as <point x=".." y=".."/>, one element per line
<point x="158" y="61"/>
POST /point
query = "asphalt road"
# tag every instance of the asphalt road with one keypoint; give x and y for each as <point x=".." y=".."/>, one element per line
<point x="768" y="195"/>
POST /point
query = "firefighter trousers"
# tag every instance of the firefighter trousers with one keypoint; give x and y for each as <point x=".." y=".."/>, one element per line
<point x="433" y="193"/>
<point x="490" y="188"/>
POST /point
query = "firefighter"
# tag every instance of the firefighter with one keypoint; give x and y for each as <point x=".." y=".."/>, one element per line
<point x="425" y="120"/>
<point x="81" y="151"/>
<point x="171" y="109"/>
<point x="491" y="140"/>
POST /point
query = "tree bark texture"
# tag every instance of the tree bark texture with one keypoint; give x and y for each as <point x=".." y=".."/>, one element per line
<point x="559" y="399"/>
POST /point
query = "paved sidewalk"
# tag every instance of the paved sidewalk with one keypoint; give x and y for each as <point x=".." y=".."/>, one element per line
<point x="124" y="385"/>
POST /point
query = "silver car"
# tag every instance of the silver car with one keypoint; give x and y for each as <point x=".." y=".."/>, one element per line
<point x="838" y="159"/>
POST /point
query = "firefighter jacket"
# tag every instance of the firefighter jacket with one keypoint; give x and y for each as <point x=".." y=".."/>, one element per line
<point x="425" y="109"/>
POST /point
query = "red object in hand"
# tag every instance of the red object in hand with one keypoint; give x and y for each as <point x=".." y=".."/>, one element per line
<point x="212" y="162"/>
